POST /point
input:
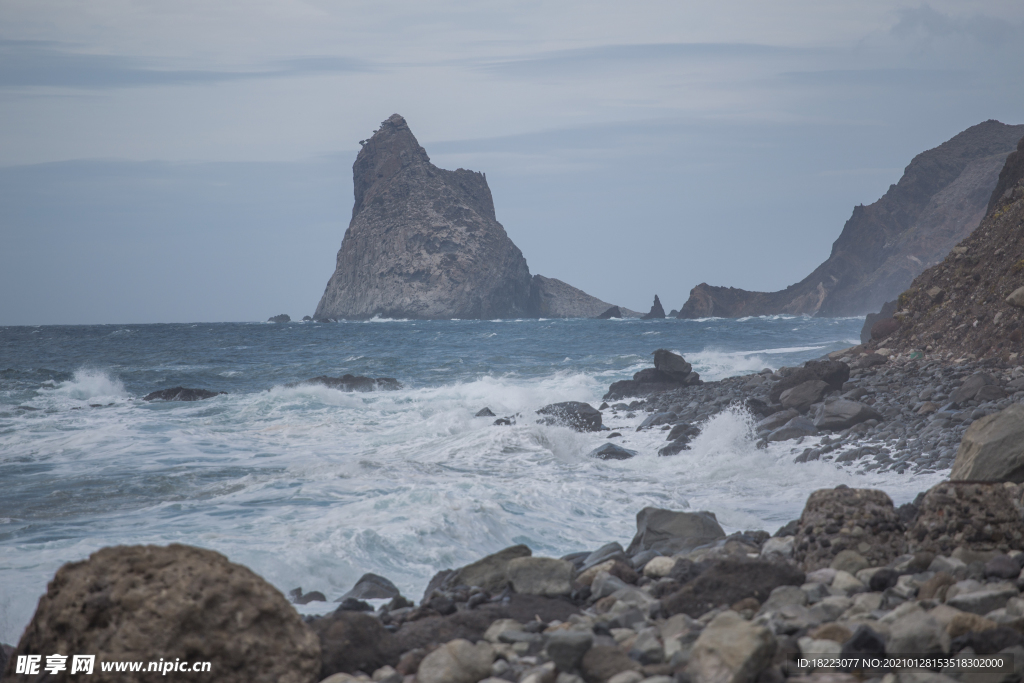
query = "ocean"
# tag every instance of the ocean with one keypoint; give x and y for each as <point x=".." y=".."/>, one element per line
<point x="313" y="487"/>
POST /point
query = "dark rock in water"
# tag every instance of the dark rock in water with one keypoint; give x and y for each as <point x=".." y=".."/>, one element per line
<point x="672" y="364"/>
<point x="353" y="383"/>
<point x="726" y="582"/>
<point x="888" y="308"/>
<point x="424" y="242"/>
<point x="674" y="447"/>
<point x="804" y="395"/>
<point x="353" y="641"/>
<point x="794" y="429"/>
<point x="371" y="587"/>
<point x="612" y="312"/>
<point x="484" y="412"/>
<point x="610" y="451"/>
<point x="181" y="394"/>
<point x="832" y="372"/>
<point x="582" y="417"/>
<point x="883" y="328"/>
<point x="504" y="422"/>
<point x="306" y="318"/>
<point x="197" y="603"/>
<point x="656" y="310"/>
<point x="283" y="318"/>
<point x="676" y="374"/>
<point x="670" y="532"/>
<point x="683" y="430"/>
<point x="300" y="598"/>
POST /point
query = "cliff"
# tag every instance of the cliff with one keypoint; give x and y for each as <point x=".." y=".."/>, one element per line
<point x="963" y="306"/>
<point x="940" y="199"/>
<point x="425" y="243"/>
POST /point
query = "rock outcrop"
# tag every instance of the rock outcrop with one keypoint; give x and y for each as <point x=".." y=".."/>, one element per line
<point x="670" y="371"/>
<point x="425" y="243"/>
<point x="282" y="318"/>
<point x="657" y="311"/>
<point x="138" y="603"/>
<point x="941" y="198"/>
<point x="967" y="305"/>
<point x="181" y="394"/>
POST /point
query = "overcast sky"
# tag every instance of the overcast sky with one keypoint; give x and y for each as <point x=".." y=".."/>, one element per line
<point x="179" y="160"/>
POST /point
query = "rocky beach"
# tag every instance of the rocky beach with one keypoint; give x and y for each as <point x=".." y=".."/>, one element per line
<point x="681" y="601"/>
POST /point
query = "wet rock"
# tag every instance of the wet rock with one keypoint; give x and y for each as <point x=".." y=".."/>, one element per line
<point x="129" y="602"/>
<point x="354" y="605"/>
<point x="540" y="576"/>
<point x="352" y="641"/>
<point x="484" y="412"/>
<point x="458" y="661"/>
<point x="353" y="383"/>
<point x="970" y="388"/>
<point x="489" y="573"/>
<point x="794" y="429"/>
<point x="672" y="365"/>
<point x="832" y="372"/>
<point x="842" y="518"/>
<point x="775" y="420"/>
<point x="992" y="449"/>
<point x="656" y="311"/>
<point x="611" y="451"/>
<point x="283" y="318"/>
<point x="974" y="515"/>
<point x="371" y="587"/>
<point x="842" y="414"/>
<point x="582" y="417"/>
<point x="803" y="395"/>
<point x="669" y="531"/>
<point x="731" y="650"/>
<point x="299" y="598"/>
<point x="181" y="394"/>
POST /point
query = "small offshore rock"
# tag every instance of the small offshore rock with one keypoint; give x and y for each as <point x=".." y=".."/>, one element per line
<point x="611" y="451"/>
<point x="182" y="394"/>
<point x="283" y="318"/>
<point x="484" y="412"/>
<point x="582" y="417"/>
<point x="353" y="383"/>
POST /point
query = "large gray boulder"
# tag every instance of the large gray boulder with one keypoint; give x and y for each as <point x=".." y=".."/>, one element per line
<point x="803" y="395"/>
<point x="970" y="387"/>
<point x="841" y="414"/>
<point x="134" y="603"/>
<point x="669" y="532"/>
<point x="540" y="576"/>
<point x="794" y="429"/>
<point x="672" y="364"/>
<point x="731" y="650"/>
<point x="458" y="661"/>
<point x="992" y="449"/>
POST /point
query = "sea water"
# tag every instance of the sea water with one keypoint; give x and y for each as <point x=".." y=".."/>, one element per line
<point x="310" y="486"/>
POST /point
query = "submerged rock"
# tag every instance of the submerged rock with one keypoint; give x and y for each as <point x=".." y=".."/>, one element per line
<point x="611" y="451"/>
<point x="181" y="394"/>
<point x="353" y="383"/>
<point x="484" y="412"/>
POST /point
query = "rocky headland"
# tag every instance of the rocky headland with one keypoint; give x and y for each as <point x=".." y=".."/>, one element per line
<point x="425" y="243"/>
<point x="940" y="199"/>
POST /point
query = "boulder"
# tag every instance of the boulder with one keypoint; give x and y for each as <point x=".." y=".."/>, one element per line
<point x="992" y="449"/>
<point x="668" y="531"/>
<point x="970" y="387"/>
<point x="540" y="576"/>
<point x="371" y="587"/>
<point x="731" y="649"/>
<point x="458" y="661"/>
<point x="978" y="516"/>
<point x="566" y="648"/>
<point x="582" y="417"/>
<point x="612" y="312"/>
<point x="352" y="641"/>
<point x="307" y="318"/>
<point x="1016" y="298"/>
<point x="842" y="518"/>
<point x="917" y="633"/>
<point x="484" y="412"/>
<point x="283" y="318"/>
<point x="804" y="394"/>
<point x="869" y="321"/>
<point x="672" y="365"/>
<point x="794" y="429"/>
<point x="842" y="414"/>
<point x="491" y="572"/>
<point x="656" y="310"/>
<point x="883" y="328"/>
<point x="610" y="451"/>
<point x="136" y="602"/>
<point x="601" y="662"/>
<point x="775" y="420"/>
<point x="726" y="582"/>
<point x="832" y="372"/>
<point x="181" y="394"/>
<point x="353" y="383"/>
<point x="981" y="602"/>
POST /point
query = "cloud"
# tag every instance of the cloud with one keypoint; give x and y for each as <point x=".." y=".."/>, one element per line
<point x="926" y="22"/>
<point x="29" y="63"/>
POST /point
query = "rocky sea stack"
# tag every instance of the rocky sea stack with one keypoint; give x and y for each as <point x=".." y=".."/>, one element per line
<point x="425" y="243"/>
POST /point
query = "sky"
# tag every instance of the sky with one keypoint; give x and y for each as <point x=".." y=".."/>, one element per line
<point x="190" y="161"/>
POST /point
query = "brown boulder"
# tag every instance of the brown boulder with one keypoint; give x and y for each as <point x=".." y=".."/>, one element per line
<point x="834" y="520"/>
<point x="974" y="515"/>
<point x="726" y="582"/>
<point x="141" y="603"/>
<point x="883" y="328"/>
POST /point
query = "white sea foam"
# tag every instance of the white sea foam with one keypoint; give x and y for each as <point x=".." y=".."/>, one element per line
<point x="92" y="384"/>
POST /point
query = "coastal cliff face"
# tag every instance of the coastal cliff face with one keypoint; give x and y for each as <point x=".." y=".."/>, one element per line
<point x="551" y="298"/>
<point x="423" y="242"/>
<point x="940" y="199"/>
<point x="972" y="303"/>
